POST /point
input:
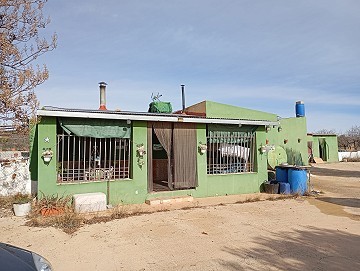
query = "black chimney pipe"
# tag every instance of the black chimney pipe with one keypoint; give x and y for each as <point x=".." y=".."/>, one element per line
<point x="183" y="97"/>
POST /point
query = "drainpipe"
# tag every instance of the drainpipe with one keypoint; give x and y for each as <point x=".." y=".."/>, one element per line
<point x="102" y="96"/>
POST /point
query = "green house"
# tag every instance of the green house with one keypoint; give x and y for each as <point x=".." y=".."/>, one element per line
<point x="324" y="146"/>
<point x="211" y="149"/>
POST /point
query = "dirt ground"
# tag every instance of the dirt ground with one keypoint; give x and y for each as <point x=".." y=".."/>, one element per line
<point x="320" y="233"/>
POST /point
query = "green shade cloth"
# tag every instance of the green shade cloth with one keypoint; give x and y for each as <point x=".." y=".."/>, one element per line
<point x="160" y="107"/>
<point x="229" y="133"/>
<point x="97" y="128"/>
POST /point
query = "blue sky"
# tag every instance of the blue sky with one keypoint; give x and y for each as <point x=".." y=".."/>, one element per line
<point x="258" y="54"/>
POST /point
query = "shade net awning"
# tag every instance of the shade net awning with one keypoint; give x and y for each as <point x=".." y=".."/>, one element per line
<point x="98" y="128"/>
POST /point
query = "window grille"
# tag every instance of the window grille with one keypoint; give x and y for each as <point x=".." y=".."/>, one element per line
<point x="230" y="152"/>
<point x="86" y="159"/>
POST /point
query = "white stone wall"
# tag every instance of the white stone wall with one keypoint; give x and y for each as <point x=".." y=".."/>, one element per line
<point x="354" y="154"/>
<point x="14" y="173"/>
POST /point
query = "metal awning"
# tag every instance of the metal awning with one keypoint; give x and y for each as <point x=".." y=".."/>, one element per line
<point x="138" y="116"/>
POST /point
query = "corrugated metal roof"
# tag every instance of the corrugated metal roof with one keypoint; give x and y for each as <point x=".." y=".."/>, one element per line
<point x="145" y="116"/>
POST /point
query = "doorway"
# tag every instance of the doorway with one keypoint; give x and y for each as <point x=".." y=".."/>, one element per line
<point x="322" y="149"/>
<point x="172" y="152"/>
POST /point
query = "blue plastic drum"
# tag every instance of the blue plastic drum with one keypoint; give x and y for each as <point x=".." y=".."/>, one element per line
<point x="281" y="174"/>
<point x="284" y="188"/>
<point x="300" y="109"/>
<point x="298" y="180"/>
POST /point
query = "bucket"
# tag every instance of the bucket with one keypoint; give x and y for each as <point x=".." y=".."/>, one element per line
<point x="281" y="174"/>
<point x="271" y="188"/>
<point x="284" y="188"/>
<point x="298" y="180"/>
<point x="300" y="109"/>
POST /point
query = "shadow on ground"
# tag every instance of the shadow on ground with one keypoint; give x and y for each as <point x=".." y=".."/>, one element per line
<point x="310" y="249"/>
<point x="334" y="172"/>
<point x="349" y="202"/>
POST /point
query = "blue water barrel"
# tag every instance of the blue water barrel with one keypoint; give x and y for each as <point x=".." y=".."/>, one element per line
<point x="281" y="174"/>
<point x="284" y="188"/>
<point x="300" y="109"/>
<point x="298" y="180"/>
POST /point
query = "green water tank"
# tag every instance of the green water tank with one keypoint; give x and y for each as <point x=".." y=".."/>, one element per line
<point x="160" y="107"/>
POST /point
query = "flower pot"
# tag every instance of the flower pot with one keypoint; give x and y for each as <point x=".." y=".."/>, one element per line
<point x="22" y="209"/>
<point x="52" y="211"/>
<point x="47" y="159"/>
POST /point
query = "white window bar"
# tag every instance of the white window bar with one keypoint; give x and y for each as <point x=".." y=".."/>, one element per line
<point x="230" y="152"/>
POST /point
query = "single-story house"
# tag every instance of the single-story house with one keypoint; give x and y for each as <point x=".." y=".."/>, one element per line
<point x="324" y="146"/>
<point x="207" y="149"/>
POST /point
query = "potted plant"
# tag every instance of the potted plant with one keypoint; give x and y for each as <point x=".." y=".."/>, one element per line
<point x="22" y="204"/>
<point x="47" y="155"/>
<point x="52" y="204"/>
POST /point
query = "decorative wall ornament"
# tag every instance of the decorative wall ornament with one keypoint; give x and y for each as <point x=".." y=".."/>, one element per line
<point x="140" y="153"/>
<point x="202" y="148"/>
<point x="47" y="155"/>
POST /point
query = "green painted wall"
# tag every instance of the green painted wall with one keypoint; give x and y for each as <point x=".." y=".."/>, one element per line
<point x="224" y="184"/>
<point x="331" y="146"/>
<point x="293" y="138"/>
<point x="135" y="189"/>
<point x="218" y="110"/>
<point x="33" y="165"/>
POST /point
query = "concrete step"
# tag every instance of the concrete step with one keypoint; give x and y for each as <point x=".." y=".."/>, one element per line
<point x="158" y="201"/>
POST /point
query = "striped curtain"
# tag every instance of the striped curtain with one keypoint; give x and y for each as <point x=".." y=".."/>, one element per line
<point x="185" y="155"/>
<point x="149" y="157"/>
<point x="163" y="131"/>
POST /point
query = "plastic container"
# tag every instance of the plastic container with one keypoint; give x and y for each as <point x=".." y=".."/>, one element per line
<point x="298" y="180"/>
<point x="281" y="174"/>
<point x="284" y="188"/>
<point x="22" y="209"/>
<point x="300" y="109"/>
<point x="271" y="188"/>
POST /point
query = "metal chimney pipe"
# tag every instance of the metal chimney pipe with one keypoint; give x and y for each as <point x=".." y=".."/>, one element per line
<point x="183" y="97"/>
<point x="102" y="96"/>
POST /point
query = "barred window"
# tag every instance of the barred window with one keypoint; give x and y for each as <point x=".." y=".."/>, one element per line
<point x="86" y="159"/>
<point x="230" y="151"/>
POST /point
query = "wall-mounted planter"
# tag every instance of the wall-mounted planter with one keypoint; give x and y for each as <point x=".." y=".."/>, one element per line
<point x="47" y="155"/>
<point x="47" y="159"/>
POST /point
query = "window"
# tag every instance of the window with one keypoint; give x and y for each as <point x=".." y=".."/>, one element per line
<point x="86" y="159"/>
<point x="230" y="149"/>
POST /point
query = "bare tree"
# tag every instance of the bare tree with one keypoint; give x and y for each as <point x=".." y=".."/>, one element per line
<point x="326" y="132"/>
<point x="350" y="140"/>
<point x="353" y="135"/>
<point x="20" y="46"/>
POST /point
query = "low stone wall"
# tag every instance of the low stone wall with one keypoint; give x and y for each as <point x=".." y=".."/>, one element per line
<point x="354" y="154"/>
<point x="14" y="173"/>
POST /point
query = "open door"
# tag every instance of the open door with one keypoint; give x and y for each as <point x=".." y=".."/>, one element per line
<point x="172" y="152"/>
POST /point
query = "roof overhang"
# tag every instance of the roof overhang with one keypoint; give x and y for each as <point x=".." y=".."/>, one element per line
<point x="152" y="117"/>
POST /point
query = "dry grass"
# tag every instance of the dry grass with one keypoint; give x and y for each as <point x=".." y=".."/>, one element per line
<point x="352" y="159"/>
<point x="70" y="221"/>
<point x="6" y="202"/>
<point x="250" y="199"/>
<point x="6" y="206"/>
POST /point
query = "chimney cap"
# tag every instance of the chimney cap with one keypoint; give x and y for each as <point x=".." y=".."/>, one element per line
<point x="102" y="84"/>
